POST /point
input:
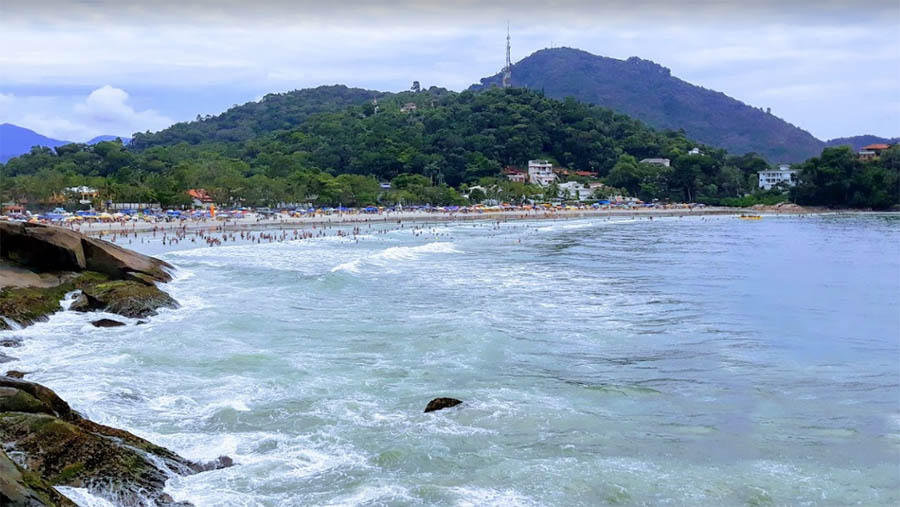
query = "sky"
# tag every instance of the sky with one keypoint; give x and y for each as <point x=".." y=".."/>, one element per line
<point x="76" y="69"/>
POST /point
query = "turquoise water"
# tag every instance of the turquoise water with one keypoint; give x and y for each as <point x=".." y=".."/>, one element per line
<point x="694" y="361"/>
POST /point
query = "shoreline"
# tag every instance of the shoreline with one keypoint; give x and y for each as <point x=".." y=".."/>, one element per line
<point x="253" y="222"/>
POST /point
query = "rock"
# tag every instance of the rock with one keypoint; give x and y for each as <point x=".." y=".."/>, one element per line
<point x="117" y="262"/>
<point x="66" y="449"/>
<point x="441" y="403"/>
<point x="107" y="323"/>
<point x="42" y="246"/>
<point x="5" y="359"/>
<point x="11" y="341"/>
<point x="126" y="298"/>
<point x="27" y="305"/>
<point x="216" y="464"/>
<point x="16" y="374"/>
<point x="22" y="488"/>
<point x="50" y="248"/>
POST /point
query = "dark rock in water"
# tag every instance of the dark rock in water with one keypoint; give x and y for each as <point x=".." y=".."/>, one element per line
<point x="5" y="359"/>
<point x="140" y="323"/>
<point x="107" y="323"/>
<point x="220" y="462"/>
<point x="441" y="403"/>
<point x="66" y="449"/>
<point x="23" y="488"/>
<point x="11" y="341"/>
<point x="16" y="374"/>
<point x="126" y="298"/>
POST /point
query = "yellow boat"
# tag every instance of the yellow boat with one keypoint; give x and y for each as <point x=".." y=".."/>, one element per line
<point x="750" y="217"/>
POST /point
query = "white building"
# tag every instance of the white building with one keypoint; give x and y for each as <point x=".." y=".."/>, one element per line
<point x="695" y="151"/>
<point x="540" y="172"/>
<point x="575" y="190"/>
<point x="657" y="161"/>
<point x="771" y="177"/>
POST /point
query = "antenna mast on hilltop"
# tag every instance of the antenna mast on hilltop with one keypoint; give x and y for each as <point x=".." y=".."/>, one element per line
<point x="507" y="71"/>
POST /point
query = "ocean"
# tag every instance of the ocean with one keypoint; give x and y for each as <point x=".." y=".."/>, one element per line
<point x="674" y="361"/>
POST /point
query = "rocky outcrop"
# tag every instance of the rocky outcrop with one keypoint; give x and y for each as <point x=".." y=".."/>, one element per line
<point x="63" y="448"/>
<point x="123" y="297"/>
<point x="39" y="264"/>
<point x="441" y="403"/>
<point x="49" y="248"/>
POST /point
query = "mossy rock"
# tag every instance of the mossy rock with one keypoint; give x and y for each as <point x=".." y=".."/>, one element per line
<point x="27" y="305"/>
<point x="125" y="297"/>
<point x="24" y="488"/>
<point x="109" y="462"/>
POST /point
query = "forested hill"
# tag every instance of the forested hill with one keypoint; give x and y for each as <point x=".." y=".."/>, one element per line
<point x="857" y="142"/>
<point x="275" y="111"/>
<point x="647" y="91"/>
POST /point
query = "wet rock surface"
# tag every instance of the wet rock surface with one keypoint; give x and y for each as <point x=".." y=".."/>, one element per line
<point x="43" y="263"/>
<point x="107" y="323"/>
<point x="441" y="403"/>
<point x="60" y="447"/>
<point x="24" y="488"/>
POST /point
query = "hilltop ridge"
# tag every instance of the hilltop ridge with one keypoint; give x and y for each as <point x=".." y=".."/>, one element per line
<point x="648" y="92"/>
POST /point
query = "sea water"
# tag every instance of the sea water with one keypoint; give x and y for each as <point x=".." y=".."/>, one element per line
<point x="679" y="361"/>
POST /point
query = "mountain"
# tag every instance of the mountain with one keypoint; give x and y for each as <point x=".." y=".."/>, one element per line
<point x="100" y="139"/>
<point x="857" y="142"/>
<point x="647" y="91"/>
<point x="275" y="111"/>
<point x="15" y="140"/>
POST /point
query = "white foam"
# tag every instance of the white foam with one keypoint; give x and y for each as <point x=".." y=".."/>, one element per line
<point x="83" y="498"/>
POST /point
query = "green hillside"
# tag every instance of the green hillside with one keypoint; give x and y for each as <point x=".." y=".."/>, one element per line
<point x="648" y="92"/>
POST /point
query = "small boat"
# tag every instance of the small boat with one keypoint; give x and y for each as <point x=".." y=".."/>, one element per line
<point x="750" y="217"/>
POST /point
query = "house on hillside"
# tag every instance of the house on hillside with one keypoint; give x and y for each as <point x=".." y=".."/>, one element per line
<point x="771" y="177"/>
<point x="657" y="161"/>
<point x="408" y="107"/>
<point x="695" y="151"/>
<point x="872" y="151"/>
<point x="515" y="174"/>
<point x="540" y="172"/>
<point x="200" y="198"/>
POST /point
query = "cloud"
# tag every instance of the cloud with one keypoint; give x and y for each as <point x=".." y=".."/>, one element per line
<point x="768" y="53"/>
<point x="105" y="111"/>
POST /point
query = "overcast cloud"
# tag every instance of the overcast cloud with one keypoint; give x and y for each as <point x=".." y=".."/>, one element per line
<point x="77" y="69"/>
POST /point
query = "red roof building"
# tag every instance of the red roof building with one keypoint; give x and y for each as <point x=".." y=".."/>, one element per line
<point x="200" y="196"/>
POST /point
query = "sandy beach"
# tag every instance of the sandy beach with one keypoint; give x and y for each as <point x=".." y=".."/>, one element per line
<point x="254" y="221"/>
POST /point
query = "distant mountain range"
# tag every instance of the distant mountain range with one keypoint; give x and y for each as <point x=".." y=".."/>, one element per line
<point x="647" y="91"/>
<point x="16" y="140"/>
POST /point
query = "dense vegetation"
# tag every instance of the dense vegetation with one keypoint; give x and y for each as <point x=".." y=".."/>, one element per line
<point x="646" y="91"/>
<point x="286" y="152"/>
<point x="275" y="111"/>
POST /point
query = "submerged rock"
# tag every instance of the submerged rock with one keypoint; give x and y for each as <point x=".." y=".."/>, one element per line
<point x="16" y="374"/>
<point x="216" y="464"/>
<point x="126" y="298"/>
<point x="441" y="403"/>
<point x="63" y="448"/>
<point x="11" y="341"/>
<point x="107" y="323"/>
